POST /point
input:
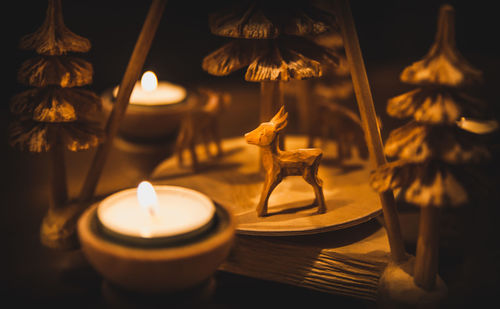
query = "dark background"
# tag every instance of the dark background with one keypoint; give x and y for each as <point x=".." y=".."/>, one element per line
<point x="392" y="34"/>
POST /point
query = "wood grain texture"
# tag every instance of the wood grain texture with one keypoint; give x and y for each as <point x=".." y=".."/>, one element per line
<point x="63" y="71"/>
<point x="55" y="104"/>
<point x="426" y="260"/>
<point x="427" y="184"/>
<point x="419" y="142"/>
<point x="28" y="135"/>
<point x="235" y="181"/>
<point x="434" y="105"/>
<point x="288" y="58"/>
<point x="431" y="148"/>
<point x="53" y="37"/>
<point x="443" y="64"/>
<point x="347" y="262"/>
<point x="270" y="19"/>
<point x="230" y="57"/>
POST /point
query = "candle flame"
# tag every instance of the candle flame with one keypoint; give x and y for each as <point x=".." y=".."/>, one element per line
<point x="149" y="82"/>
<point x="147" y="198"/>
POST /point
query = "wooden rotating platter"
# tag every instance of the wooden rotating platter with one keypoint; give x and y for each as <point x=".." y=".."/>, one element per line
<point x="234" y="181"/>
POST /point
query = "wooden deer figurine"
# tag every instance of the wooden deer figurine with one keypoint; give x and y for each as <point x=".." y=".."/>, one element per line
<point x="279" y="164"/>
<point x="201" y="122"/>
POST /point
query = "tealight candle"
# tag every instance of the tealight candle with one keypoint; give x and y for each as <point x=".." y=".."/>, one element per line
<point x="160" y="213"/>
<point x="150" y="92"/>
<point x="156" y="239"/>
<point x="154" y="112"/>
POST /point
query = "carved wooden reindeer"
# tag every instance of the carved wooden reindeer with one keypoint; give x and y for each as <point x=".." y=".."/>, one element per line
<point x="201" y="121"/>
<point x="279" y="164"/>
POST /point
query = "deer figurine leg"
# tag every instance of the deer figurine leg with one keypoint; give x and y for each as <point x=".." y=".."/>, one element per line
<point x="179" y="146"/>
<point x="272" y="180"/>
<point x="311" y="177"/>
<point x="318" y="192"/>
<point x="194" y="157"/>
<point x="206" y="144"/>
<point x="216" y="138"/>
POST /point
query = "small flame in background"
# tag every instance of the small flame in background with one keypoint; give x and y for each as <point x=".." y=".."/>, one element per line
<point x="478" y="126"/>
<point x="149" y="82"/>
<point x="147" y="198"/>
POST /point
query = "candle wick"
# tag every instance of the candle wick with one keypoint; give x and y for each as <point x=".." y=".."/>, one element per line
<point x="152" y="211"/>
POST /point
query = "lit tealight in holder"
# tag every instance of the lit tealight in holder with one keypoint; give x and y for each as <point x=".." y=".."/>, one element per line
<point x="156" y="239"/>
<point x="148" y="92"/>
<point x="160" y="215"/>
<point x="154" y="111"/>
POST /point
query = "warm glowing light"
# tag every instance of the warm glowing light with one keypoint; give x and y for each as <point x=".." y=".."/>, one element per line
<point x="147" y="198"/>
<point x="151" y="92"/>
<point x="477" y="126"/>
<point x="149" y="82"/>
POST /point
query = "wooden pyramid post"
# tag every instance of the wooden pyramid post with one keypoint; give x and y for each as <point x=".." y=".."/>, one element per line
<point x="369" y="119"/>
<point x="131" y="75"/>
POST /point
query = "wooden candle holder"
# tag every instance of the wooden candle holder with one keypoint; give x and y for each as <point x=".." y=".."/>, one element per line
<point x="146" y="125"/>
<point x="164" y="268"/>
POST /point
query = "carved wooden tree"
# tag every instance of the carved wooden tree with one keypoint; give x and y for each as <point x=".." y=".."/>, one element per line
<point x="431" y="148"/>
<point x="271" y="38"/>
<point x="55" y="114"/>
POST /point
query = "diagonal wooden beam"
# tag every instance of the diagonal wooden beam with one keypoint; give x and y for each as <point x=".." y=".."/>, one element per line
<point x="130" y="77"/>
<point x="370" y="125"/>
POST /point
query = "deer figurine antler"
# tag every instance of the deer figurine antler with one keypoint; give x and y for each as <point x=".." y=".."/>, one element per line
<point x="279" y="164"/>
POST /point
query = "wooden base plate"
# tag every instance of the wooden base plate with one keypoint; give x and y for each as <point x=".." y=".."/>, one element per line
<point x="235" y="181"/>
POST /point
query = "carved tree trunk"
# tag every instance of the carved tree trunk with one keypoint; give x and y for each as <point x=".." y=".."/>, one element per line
<point x="426" y="261"/>
<point x="59" y="192"/>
